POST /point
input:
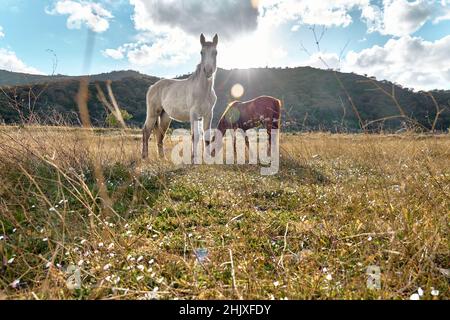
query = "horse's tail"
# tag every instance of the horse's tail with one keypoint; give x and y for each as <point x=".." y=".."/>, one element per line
<point x="278" y="105"/>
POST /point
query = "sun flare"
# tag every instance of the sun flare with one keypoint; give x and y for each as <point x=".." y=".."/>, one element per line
<point x="254" y="50"/>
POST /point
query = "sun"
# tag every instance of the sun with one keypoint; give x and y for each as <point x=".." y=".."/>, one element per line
<point x="252" y="50"/>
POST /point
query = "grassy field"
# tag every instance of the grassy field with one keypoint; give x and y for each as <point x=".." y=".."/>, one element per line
<point x="150" y="230"/>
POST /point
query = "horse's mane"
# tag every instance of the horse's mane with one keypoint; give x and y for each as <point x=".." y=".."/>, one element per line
<point x="196" y="72"/>
<point x="229" y="106"/>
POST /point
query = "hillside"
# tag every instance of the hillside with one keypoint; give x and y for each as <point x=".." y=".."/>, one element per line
<point x="312" y="98"/>
<point x="8" y="78"/>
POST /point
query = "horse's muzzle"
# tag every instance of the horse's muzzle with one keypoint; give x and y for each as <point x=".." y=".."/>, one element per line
<point x="208" y="71"/>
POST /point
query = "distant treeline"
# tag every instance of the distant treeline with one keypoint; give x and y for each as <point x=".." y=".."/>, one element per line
<point x="313" y="99"/>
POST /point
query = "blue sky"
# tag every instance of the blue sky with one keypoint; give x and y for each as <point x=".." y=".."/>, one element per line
<point x="407" y="42"/>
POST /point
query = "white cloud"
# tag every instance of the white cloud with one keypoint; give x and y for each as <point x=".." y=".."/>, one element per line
<point x="397" y="17"/>
<point x="10" y="62"/>
<point x="168" y="49"/>
<point x="82" y="12"/>
<point x="169" y="30"/>
<point x="327" y="13"/>
<point x="115" y="54"/>
<point x="392" y="17"/>
<point x="443" y="17"/>
<point x="322" y="60"/>
<point x="2" y="34"/>
<point x="228" y="18"/>
<point x="409" y="61"/>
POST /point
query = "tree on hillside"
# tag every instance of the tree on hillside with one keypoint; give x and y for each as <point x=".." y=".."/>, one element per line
<point x="111" y="119"/>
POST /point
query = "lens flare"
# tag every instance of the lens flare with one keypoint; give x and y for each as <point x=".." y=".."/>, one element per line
<point x="255" y="3"/>
<point x="237" y="91"/>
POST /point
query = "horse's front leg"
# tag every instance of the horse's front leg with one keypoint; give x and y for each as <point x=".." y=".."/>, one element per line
<point x="207" y="120"/>
<point x="195" y="133"/>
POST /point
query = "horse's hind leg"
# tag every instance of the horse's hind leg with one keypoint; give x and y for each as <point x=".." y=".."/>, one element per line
<point x="146" y="132"/>
<point x="163" y="125"/>
<point x="269" y="133"/>
<point x="153" y="112"/>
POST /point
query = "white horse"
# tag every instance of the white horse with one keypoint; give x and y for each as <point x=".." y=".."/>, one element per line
<point x="191" y="99"/>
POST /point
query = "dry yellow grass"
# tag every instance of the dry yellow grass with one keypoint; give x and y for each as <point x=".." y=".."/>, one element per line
<point x="340" y="204"/>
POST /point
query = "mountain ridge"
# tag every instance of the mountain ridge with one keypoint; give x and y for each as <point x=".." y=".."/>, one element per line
<point x="9" y="78"/>
<point x="313" y="98"/>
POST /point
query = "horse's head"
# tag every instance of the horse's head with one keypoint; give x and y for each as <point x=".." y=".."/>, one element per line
<point x="209" y="55"/>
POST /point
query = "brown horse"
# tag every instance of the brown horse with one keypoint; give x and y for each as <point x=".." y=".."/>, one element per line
<point x="263" y="111"/>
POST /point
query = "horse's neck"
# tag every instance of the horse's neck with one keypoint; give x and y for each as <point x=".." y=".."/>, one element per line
<point x="200" y="78"/>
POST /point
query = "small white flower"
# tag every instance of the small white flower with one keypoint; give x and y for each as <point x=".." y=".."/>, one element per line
<point x="14" y="230"/>
<point x="276" y="284"/>
<point x="151" y="261"/>
<point x="107" y="266"/>
<point x="111" y="246"/>
<point x="52" y="209"/>
<point x="324" y="270"/>
<point x="83" y="241"/>
<point x="140" y="259"/>
<point x="100" y="245"/>
<point x="329" y="277"/>
<point x="45" y="239"/>
<point x="11" y="260"/>
<point x="80" y="263"/>
<point x="414" y="296"/>
<point x="48" y="265"/>
<point x="434" y="292"/>
<point x="108" y="278"/>
<point x="15" y="283"/>
<point x="141" y="267"/>
<point x="369" y="238"/>
<point x="139" y="278"/>
<point x="112" y="255"/>
<point x="1" y="238"/>
<point x="420" y="291"/>
<point x="126" y="226"/>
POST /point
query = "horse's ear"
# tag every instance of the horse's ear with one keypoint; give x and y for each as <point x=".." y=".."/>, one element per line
<point x="216" y="40"/>
<point x="202" y="39"/>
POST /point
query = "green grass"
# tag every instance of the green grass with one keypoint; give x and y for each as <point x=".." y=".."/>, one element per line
<point x="339" y="204"/>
